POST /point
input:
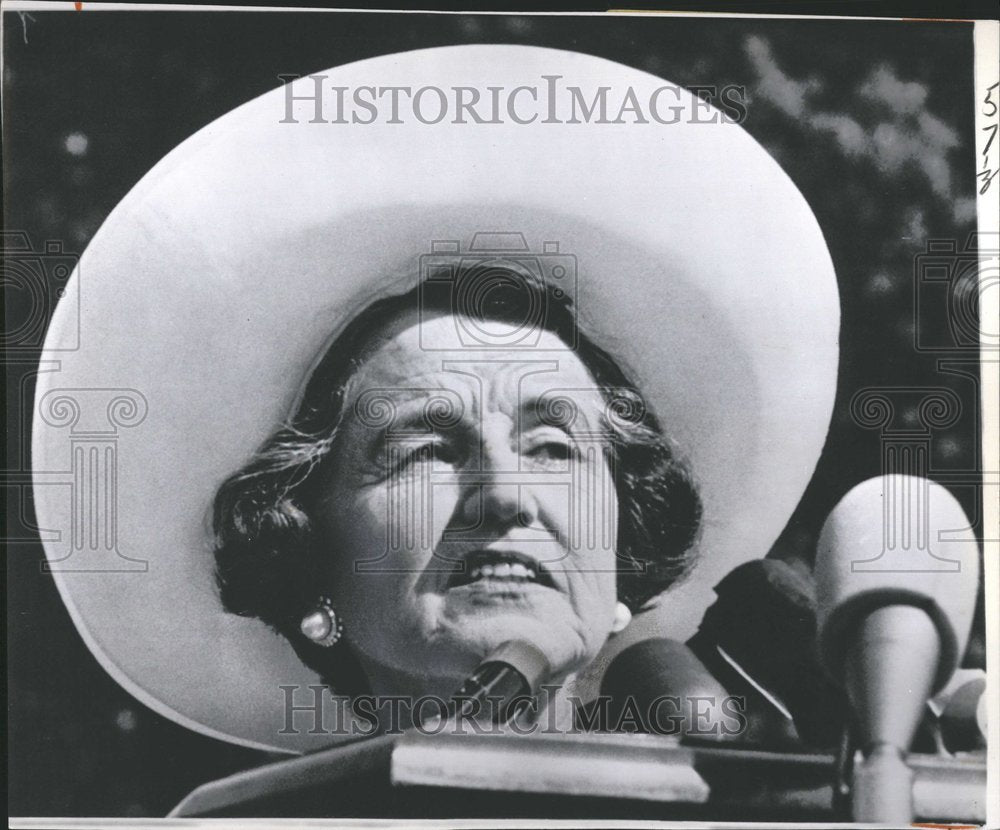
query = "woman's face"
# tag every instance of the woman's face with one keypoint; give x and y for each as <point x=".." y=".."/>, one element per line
<point x="458" y="516"/>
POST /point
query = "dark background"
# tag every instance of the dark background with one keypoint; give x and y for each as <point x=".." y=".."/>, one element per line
<point x="872" y="120"/>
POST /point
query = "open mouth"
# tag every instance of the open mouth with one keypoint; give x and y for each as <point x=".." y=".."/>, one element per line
<point x="501" y="566"/>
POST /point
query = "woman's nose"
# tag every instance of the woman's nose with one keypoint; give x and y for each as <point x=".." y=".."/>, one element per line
<point x="503" y="503"/>
<point x="499" y="493"/>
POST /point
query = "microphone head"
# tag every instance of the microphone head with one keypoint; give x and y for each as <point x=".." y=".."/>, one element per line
<point x="765" y="620"/>
<point x="963" y="712"/>
<point x="524" y="658"/>
<point x="896" y="541"/>
<point x="663" y="685"/>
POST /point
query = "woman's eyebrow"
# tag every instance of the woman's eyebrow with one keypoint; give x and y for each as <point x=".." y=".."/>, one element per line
<point x="565" y="412"/>
<point x="412" y="413"/>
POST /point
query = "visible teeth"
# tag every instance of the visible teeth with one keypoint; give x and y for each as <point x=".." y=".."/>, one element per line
<point x="503" y="570"/>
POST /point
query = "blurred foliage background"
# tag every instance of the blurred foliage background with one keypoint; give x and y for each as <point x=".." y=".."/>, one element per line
<point x="872" y="120"/>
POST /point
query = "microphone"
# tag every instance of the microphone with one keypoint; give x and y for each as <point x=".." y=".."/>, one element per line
<point x="660" y="686"/>
<point x="961" y="712"/>
<point x="759" y="639"/>
<point x="895" y="601"/>
<point x="504" y="683"/>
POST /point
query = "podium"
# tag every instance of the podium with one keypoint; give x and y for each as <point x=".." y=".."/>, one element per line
<point x="571" y="776"/>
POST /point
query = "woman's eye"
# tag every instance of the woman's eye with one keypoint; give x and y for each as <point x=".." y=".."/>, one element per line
<point x="445" y="453"/>
<point x="416" y="455"/>
<point x="551" y="451"/>
<point x="440" y="452"/>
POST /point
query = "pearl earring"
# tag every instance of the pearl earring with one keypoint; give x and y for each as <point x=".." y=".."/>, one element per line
<point x="322" y="625"/>
<point x="622" y="618"/>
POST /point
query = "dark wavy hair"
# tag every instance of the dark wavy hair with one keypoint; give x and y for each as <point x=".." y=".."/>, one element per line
<point x="266" y="562"/>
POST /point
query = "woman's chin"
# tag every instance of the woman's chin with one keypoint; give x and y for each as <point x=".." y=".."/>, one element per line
<point x="553" y="628"/>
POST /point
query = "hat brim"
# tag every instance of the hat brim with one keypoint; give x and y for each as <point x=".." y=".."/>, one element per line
<point x="213" y="285"/>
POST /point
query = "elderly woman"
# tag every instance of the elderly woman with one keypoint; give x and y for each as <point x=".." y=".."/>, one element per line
<point x="431" y="499"/>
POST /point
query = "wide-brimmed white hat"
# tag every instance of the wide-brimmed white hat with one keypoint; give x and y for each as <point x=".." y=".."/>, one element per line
<point x="211" y="288"/>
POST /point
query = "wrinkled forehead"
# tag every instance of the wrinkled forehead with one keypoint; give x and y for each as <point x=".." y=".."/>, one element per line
<point x="417" y="353"/>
